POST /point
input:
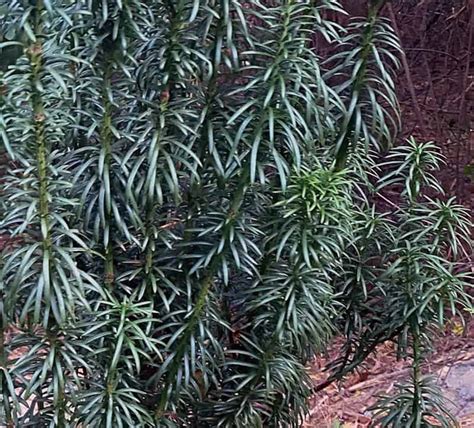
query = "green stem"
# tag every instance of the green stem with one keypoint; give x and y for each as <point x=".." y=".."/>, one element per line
<point x="417" y="393"/>
<point x="3" y="326"/>
<point x="35" y="56"/>
<point x="5" y="398"/>
<point x="176" y="23"/>
<point x="195" y="189"/>
<point x="205" y="287"/>
<point x="106" y="138"/>
<point x="344" y="138"/>
<point x="4" y="321"/>
<point x="209" y="109"/>
<point x="207" y="282"/>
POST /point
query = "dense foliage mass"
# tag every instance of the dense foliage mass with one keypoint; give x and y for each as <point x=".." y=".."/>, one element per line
<point x="198" y="203"/>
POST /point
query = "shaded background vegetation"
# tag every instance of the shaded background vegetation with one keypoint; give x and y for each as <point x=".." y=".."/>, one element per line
<point x="436" y="86"/>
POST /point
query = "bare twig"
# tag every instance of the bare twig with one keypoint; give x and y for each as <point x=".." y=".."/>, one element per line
<point x="406" y="68"/>
<point x="436" y="51"/>
<point x="429" y="76"/>
<point x="463" y="120"/>
<point x="378" y="379"/>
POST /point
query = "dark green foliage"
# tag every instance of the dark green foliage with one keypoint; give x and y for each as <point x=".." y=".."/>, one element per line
<point x="201" y="204"/>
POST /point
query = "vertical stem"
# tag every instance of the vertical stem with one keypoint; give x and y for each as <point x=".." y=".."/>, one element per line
<point x="106" y="137"/>
<point x="35" y="52"/>
<point x="35" y="56"/>
<point x="4" y="321"/>
<point x="417" y="411"/>
<point x="205" y="287"/>
<point x="209" y="108"/>
<point x="150" y="207"/>
<point x="176" y="23"/>
<point x="344" y="138"/>
<point x="5" y="410"/>
<point x="106" y="141"/>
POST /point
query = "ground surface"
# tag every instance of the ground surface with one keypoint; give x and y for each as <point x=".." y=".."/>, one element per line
<point x="452" y="363"/>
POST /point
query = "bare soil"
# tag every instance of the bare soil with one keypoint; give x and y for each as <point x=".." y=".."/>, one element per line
<point x="345" y="405"/>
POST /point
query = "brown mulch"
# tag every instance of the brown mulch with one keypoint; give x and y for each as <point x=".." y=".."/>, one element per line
<point x="345" y="404"/>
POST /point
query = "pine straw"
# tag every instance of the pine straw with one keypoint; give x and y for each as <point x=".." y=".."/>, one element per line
<point x="345" y="404"/>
